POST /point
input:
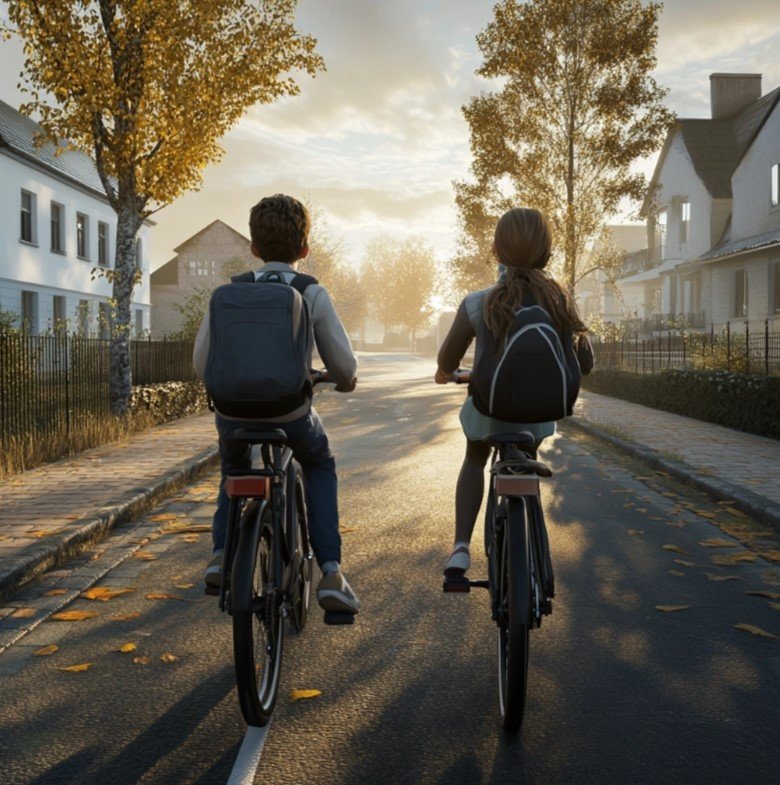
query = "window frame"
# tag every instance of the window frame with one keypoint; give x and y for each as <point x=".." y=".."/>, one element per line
<point x="60" y="249"/>
<point x="685" y="219"/>
<point x="29" y="322"/>
<point x="103" y="244"/>
<point x="740" y="310"/>
<point x="774" y="185"/>
<point x="82" y="237"/>
<point x="32" y="213"/>
<point x="774" y="285"/>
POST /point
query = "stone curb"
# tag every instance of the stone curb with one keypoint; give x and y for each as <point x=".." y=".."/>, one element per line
<point x="34" y="560"/>
<point x="763" y="510"/>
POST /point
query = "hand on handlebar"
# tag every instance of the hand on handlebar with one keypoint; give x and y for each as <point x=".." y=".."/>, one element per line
<point x="323" y="377"/>
<point x="460" y="376"/>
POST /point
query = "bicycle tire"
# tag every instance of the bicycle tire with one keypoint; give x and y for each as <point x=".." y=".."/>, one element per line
<point x="514" y="620"/>
<point x="300" y="590"/>
<point x="258" y="624"/>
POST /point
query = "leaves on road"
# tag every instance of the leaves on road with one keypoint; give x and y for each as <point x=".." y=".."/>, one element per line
<point x="715" y="577"/>
<point x="126" y="648"/>
<point x="717" y="542"/>
<point x="45" y="651"/>
<point x="183" y="585"/>
<point x="671" y="608"/>
<point x="674" y="549"/>
<point x="145" y="556"/>
<point x="163" y="517"/>
<point x="141" y="660"/>
<point x="770" y="595"/>
<point x="635" y="532"/>
<point x="753" y="630"/>
<point x="296" y="695"/>
<point x="169" y="657"/>
<point x="84" y="666"/>
<point x="125" y="616"/>
<point x="684" y="563"/>
<point x="23" y="613"/>
<point x="163" y="595"/>
<point x="104" y="593"/>
<point x="73" y="615"/>
<point x="348" y="529"/>
<point x="55" y="592"/>
<point x="733" y="558"/>
<point x="677" y="573"/>
<point x="771" y="555"/>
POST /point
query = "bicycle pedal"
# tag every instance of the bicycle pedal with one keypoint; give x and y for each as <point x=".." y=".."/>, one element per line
<point x="339" y="617"/>
<point x="461" y="585"/>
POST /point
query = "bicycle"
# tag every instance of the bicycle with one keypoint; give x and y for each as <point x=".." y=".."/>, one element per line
<point x="266" y="566"/>
<point x="520" y="579"/>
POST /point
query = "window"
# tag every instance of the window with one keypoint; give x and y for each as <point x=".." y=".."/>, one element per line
<point x="28" y="217"/>
<point x="139" y="323"/>
<point x="659" y="237"/>
<point x="685" y="220"/>
<point x="82" y="236"/>
<point x="740" y="293"/>
<point x="82" y="317"/>
<point x="104" y="320"/>
<point x="138" y="254"/>
<point x="774" y="198"/>
<point x="57" y="211"/>
<point x="30" y="312"/>
<point x="776" y="286"/>
<point x="102" y="243"/>
<point x="202" y="268"/>
<point x="59" y="322"/>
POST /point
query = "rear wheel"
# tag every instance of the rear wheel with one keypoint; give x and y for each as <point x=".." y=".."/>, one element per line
<point x="514" y="617"/>
<point x="300" y="591"/>
<point x="258" y="631"/>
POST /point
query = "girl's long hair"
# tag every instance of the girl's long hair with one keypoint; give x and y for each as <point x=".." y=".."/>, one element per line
<point x="523" y="243"/>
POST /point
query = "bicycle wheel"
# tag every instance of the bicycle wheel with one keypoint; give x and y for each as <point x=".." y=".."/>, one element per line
<point x="258" y="624"/>
<point x="514" y="582"/>
<point x="300" y="591"/>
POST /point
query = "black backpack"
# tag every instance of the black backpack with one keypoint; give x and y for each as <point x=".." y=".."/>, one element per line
<point x="532" y="377"/>
<point x="260" y="346"/>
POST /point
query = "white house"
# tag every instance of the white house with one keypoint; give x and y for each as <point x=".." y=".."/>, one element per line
<point x="713" y="216"/>
<point x="56" y="227"/>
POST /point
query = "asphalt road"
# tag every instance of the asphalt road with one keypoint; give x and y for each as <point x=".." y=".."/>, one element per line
<point x="619" y="691"/>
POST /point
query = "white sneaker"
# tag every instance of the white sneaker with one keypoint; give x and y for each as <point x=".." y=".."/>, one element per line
<point x="335" y="594"/>
<point x="458" y="563"/>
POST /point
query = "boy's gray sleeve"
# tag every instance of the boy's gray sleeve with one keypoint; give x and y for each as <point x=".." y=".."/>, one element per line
<point x="332" y="340"/>
<point x="201" y="349"/>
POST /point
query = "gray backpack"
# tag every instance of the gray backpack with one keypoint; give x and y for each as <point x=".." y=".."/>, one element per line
<point x="260" y="346"/>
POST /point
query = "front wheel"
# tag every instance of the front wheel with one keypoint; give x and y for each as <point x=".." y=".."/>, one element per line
<point x="514" y="583"/>
<point x="258" y="624"/>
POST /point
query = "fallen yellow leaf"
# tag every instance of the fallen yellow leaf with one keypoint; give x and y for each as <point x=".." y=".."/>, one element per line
<point x="169" y="658"/>
<point x="183" y="585"/>
<point x="735" y="511"/>
<point x="635" y="532"/>
<point x="73" y="615"/>
<point x="126" y="647"/>
<point x="44" y="651"/>
<point x="755" y="631"/>
<point x="715" y="577"/>
<point x="770" y="595"/>
<point x="186" y="528"/>
<point x="733" y="558"/>
<point x="717" y="542"/>
<point x="303" y="694"/>
<point x="55" y="592"/>
<point x="141" y="660"/>
<point x="23" y="613"/>
<point x="162" y="595"/>
<point x="125" y="616"/>
<point x="705" y="513"/>
<point x="684" y="563"/>
<point x="674" y="548"/>
<point x="84" y="666"/>
<point x="164" y="516"/>
<point x="676" y="573"/>
<point x="775" y="605"/>
<point x="671" y="608"/>
<point x="190" y="538"/>
<point x="771" y="555"/>
<point x="103" y="593"/>
<point x="145" y="556"/>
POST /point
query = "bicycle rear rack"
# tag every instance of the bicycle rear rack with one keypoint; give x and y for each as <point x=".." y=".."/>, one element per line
<point x="462" y="585"/>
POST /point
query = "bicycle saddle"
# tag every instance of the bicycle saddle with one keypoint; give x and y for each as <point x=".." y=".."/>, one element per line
<point x="275" y="436"/>
<point x="521" y="465"/>
<point x="520" y="438"/>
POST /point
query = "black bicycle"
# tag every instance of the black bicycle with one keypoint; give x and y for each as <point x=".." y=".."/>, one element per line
<point x="266" y="567"/>
<point x="520" y="577"/>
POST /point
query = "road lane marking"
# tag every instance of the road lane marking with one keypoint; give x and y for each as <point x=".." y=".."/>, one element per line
<point x="248" y="758"/>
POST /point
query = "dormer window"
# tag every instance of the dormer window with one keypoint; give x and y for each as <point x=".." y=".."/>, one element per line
<point x="774" y="198"/>
<point x="685" y="220"/>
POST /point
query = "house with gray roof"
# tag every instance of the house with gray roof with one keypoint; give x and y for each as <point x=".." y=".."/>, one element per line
<point x="56" y="228"/>
<point x="713" y="217"/>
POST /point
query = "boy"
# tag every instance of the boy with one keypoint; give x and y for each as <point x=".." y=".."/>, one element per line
<point x="279" y="229"/>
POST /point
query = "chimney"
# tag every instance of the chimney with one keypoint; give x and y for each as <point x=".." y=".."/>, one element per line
<point x="731" y="93"/>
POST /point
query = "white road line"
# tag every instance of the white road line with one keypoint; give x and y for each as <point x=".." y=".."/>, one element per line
<point x="248" y="758"/>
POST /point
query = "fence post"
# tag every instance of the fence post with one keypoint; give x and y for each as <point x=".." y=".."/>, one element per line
<point x="67" y="385"/>
<point x="766" y="347"/>
<point x="636" y="353"/>
<point x="747" y="347"/>
<point x="683" y="347"/>
<point x="728" y="345"/>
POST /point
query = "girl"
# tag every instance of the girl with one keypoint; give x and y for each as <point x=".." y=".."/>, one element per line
<point x="522" y="245"/>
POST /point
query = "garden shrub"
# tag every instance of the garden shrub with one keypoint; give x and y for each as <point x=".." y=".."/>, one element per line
<point x="747" y="402"/>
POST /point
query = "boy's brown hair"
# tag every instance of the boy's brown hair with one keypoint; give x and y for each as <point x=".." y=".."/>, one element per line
<point x="279" y="228"/>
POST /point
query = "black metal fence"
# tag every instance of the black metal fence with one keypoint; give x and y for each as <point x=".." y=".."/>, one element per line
<point x="51" y="383"/>
<point x="733" y="347"/>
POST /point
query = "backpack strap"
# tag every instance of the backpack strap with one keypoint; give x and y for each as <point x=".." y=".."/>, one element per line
<point x="301" y="281"/>
<point x="247" y="277"/>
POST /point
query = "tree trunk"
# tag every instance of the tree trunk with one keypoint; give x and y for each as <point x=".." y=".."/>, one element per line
<point x="120" y="372"/>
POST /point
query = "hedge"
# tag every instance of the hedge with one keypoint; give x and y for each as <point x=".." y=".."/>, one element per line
<point x="168" y="401"/>
<point x="747" y="402"/>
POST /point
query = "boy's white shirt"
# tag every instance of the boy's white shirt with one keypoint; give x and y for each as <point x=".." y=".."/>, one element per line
<point x="330" y="337"/>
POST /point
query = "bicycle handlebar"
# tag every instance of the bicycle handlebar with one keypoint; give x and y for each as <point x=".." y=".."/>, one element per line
<point x="319" y="377"/>
<point x="461" y="376"/>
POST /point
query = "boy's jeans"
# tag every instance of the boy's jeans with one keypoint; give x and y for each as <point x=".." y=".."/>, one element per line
<point x="309" y="444"/>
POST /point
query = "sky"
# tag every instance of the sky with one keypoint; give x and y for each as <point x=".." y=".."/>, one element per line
<point x="376" y="140"/>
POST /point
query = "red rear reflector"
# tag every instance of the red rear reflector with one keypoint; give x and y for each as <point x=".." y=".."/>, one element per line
<point x="517" y="485"/>
<point x="256" y="487"/>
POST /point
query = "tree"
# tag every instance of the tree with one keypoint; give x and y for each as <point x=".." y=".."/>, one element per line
<point x="192" y="309"/>
<point x="148" y="88"/>
<point x="577" y="106"/>
<point x="400" y="280"/>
